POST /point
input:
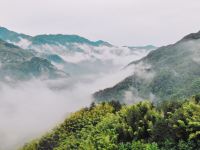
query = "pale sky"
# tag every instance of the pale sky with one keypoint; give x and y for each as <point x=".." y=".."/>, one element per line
<point x="120" y="22"/>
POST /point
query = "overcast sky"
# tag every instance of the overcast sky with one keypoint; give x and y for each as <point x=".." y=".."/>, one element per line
<point x="120" y="22"/>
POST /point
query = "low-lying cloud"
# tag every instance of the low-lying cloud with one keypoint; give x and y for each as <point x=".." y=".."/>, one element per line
<point x="29" y="109"/>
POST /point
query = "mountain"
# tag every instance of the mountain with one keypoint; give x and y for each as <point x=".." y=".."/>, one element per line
<point x="75" y="54"/>
<point x="27" y="41"/>
<point x="54" y="39"/>
<point x="170" y="72"/>
<point x="19" y="64"/>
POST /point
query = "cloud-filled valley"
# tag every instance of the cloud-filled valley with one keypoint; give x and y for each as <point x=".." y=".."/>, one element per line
<point x="47" y="77"/>
<point x="32" y="106"/>
<point x="99" y="74"/>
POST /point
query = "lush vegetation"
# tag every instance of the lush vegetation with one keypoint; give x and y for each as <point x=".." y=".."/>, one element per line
<point x="170" y="125"/>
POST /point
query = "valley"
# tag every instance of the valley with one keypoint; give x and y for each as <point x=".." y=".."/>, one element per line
<point x="40" y="82"/>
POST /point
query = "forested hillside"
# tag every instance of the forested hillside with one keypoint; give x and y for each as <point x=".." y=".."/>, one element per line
<point x="170" y="125"/>
<point x="170" y="72"/>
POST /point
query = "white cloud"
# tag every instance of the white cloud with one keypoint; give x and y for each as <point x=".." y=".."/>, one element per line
<point x="23" y="43"/>
<point x="31" y="108"/>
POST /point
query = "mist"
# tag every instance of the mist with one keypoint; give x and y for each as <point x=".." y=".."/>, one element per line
<point x="30" y="109"/>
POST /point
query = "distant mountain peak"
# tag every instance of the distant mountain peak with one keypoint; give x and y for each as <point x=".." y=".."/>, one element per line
<point x="14" y="37"/>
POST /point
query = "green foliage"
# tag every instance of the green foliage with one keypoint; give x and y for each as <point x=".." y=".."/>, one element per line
<point x="72" y="126"/>
<point x="142" y="126"/>
<point x="142" y="117"/>
<point x="138" y="145"/>
<point x="182" y="145"/>
<point x="31" y="146"/>
<point x="125" y="146"/>
<point x="185" y="121"/>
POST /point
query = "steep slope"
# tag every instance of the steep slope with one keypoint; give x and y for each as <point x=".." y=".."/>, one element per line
<point x="17" y="63"/>
<point x="163" y="73"/>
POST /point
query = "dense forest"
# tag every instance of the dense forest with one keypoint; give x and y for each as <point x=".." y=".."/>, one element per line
<point x="169" y="125"/>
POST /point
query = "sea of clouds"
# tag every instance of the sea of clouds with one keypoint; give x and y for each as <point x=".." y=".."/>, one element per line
<point x="29" y="109"/>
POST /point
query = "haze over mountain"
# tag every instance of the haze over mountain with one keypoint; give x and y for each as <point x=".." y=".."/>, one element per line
<point x="167" y="73"/>
<point x="170" y="72"/>
<point x="74" y="54"/>
<point x="60" y="73"/>
<point x="85" y="75"/>
<point x="45" y="77"/>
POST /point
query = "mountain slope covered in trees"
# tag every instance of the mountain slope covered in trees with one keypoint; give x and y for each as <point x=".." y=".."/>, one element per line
<point x="141" y="126"/>
<point x="170" y="72"/>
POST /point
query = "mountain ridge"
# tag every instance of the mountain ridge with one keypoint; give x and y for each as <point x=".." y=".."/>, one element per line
<point x="171" y="68"/>
<point x="6" y="34"/>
